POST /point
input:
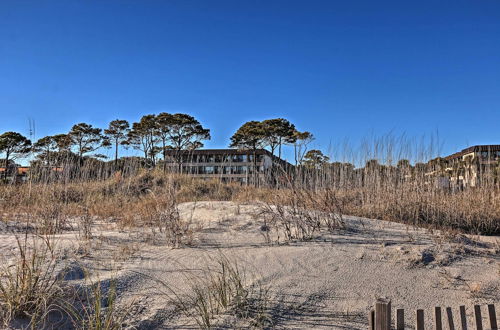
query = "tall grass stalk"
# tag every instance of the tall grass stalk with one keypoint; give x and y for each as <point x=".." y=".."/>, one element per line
<point x="29" y="287"/>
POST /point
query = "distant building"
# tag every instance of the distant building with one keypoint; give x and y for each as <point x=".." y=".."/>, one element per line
<point x="14" y="173"/>
<point x="473" y="166"/>
<point x="18" y="174"/>
<point x="228" y="165"/>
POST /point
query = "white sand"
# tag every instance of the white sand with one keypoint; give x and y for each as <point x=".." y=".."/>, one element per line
<point x="329" y="282"/>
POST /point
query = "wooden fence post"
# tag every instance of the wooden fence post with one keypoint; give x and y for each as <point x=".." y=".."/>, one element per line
<point x="449" y="313"/>
<point x="493" y="317"/>
<point x="479" y="319"/>
<point x="383" y="314"/>
<point x="437" y="318"/>
<point x="463" y="317"/>
<point x="371" y="320"/>
<point x="380" y="318"/>
<point x="420" y="319"/>
<point x="400" y="317"/>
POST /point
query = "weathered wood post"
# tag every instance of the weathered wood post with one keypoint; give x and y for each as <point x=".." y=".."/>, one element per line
<point x="383" y="314"/>
<point x="449" y="313"/>
<point x="493" y="317"/>
<point x="463" y="317"/>
<point x="420" y="320"/>
<point x="438" y="321"/>
<point x="371" y="320"/>
<point x="479" y="318"/>
<point x="400" y="317"/>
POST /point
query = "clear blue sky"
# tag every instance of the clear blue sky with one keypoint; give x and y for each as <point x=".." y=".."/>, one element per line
<point x="340" y="69"/>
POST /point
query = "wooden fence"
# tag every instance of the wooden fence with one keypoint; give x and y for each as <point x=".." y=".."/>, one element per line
<point x="380" y="318"/>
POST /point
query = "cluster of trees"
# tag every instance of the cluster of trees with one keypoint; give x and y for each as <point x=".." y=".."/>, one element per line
<point x="12" y="145"/>
<point x="403" y="170"/>
<point x="272" y="133"/>
<point x="153" y="135"/>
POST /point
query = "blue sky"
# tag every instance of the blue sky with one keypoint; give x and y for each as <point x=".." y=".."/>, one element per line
<point x="340" y="69"/>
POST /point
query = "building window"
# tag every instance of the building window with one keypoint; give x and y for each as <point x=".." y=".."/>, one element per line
<point x="238" y="158"/>
<point x="258" y="158"/>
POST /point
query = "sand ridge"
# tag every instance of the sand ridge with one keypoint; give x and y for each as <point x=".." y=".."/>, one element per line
<point x="329" y="282"/>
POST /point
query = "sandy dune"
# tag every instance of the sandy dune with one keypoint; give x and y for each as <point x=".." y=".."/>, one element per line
<point x="329" y="282"/>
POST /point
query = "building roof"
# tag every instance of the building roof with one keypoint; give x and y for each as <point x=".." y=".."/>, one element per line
<point x="21" y="170"/>
<point x="25" y="169"/>
<point x="477" y="148"/>
<point x="171" y="152"/>
<point x="220" y="152"/>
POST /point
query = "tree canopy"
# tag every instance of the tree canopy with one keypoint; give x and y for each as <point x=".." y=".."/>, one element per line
<point x="116" y="134"/>
<point x="13" y="144"/>
<point x="85" y="138"/>
<point x="301" y="141"/>
<point x="185" y="132"/>
<point x="278" y="132"/>
<point x="157" y="134"/>
<point x="142" y="135"/>
<point x="250" y="136"/>
<point x="315" y="159"/>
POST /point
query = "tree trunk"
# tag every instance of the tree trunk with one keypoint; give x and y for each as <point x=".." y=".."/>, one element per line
<point x="164" y="155"/>
<point x="116" y="155"/>
<point x="255" y="174"/>
<point x="80" y="157"/>
<point x="178" y="159"/>
<point x="295" y="153"/>
<point x="7" y="155"/>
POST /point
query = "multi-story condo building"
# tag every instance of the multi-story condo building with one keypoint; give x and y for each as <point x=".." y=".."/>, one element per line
<point x="474" y="166"/>
<point x="228" y="165"/>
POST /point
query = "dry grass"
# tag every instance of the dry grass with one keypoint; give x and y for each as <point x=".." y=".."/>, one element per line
<point x="95" y="307"/>
<point x="29" y="286"/>
<point x="301" y="214"/>
<point x="222" y="289"/>
<point x="150" y="198"/>
<point x="308" y="202"/>
<point x="475" y="211"/>
<point x="34" y="293"/>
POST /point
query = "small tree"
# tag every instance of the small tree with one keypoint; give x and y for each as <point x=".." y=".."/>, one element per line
<point x="373" y="165"/>
<point x="315" y="159"/>
<point x="46" y="147"/>
<point x="278" y="132"/>
<point x="163" y="121"/>
<point x="54" y="150"/>
<point x="184" y="133"/>
<point x="142" y="136"/>
<point x="85" y="138"/>
<point x="302" y="140"/>
<point x="404" y="168"/>
<point x="249" y="136"/>
<point x="403" y="164"/>
<point x="63" y="142"/>
<point x="13" y="145"/>
<point x="116" y="134"/>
